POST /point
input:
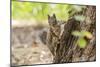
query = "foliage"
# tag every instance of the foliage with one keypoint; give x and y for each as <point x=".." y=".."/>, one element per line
<point x="79" y="17"/>
<point x="39" y="11"/>
<point x="81" y="40"/>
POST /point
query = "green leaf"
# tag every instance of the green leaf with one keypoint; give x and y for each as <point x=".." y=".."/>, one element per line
<point x="87" y="34"/>
<point x="76" y="33"/>
<point x="82" y="42"/>
<point x="79" y="17"/>
<point x="77" y="8"/>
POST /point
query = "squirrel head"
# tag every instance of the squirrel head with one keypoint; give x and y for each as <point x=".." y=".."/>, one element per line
<point x="52" y="20"/>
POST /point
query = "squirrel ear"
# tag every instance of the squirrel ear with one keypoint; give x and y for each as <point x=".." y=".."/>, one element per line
<point x="48" y="16"/>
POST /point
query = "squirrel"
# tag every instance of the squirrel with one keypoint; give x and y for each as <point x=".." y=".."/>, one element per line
<point x="54" y="33"/>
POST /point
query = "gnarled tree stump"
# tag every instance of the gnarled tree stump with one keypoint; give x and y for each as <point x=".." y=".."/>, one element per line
<point x="63" y="45"/>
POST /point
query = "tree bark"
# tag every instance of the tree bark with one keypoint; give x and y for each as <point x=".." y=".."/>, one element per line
<point x="65" y="49"/>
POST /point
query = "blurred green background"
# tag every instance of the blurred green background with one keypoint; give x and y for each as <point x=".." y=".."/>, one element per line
<point x="39" y="11"/>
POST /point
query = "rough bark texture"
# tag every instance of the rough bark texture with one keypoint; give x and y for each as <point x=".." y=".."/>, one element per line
<point x="63" y="46"/>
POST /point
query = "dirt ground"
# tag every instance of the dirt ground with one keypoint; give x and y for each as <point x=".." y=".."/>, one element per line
<point x="29" y="55"/>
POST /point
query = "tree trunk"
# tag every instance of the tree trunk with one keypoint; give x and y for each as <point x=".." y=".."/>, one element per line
<point x="64" y="47"/>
